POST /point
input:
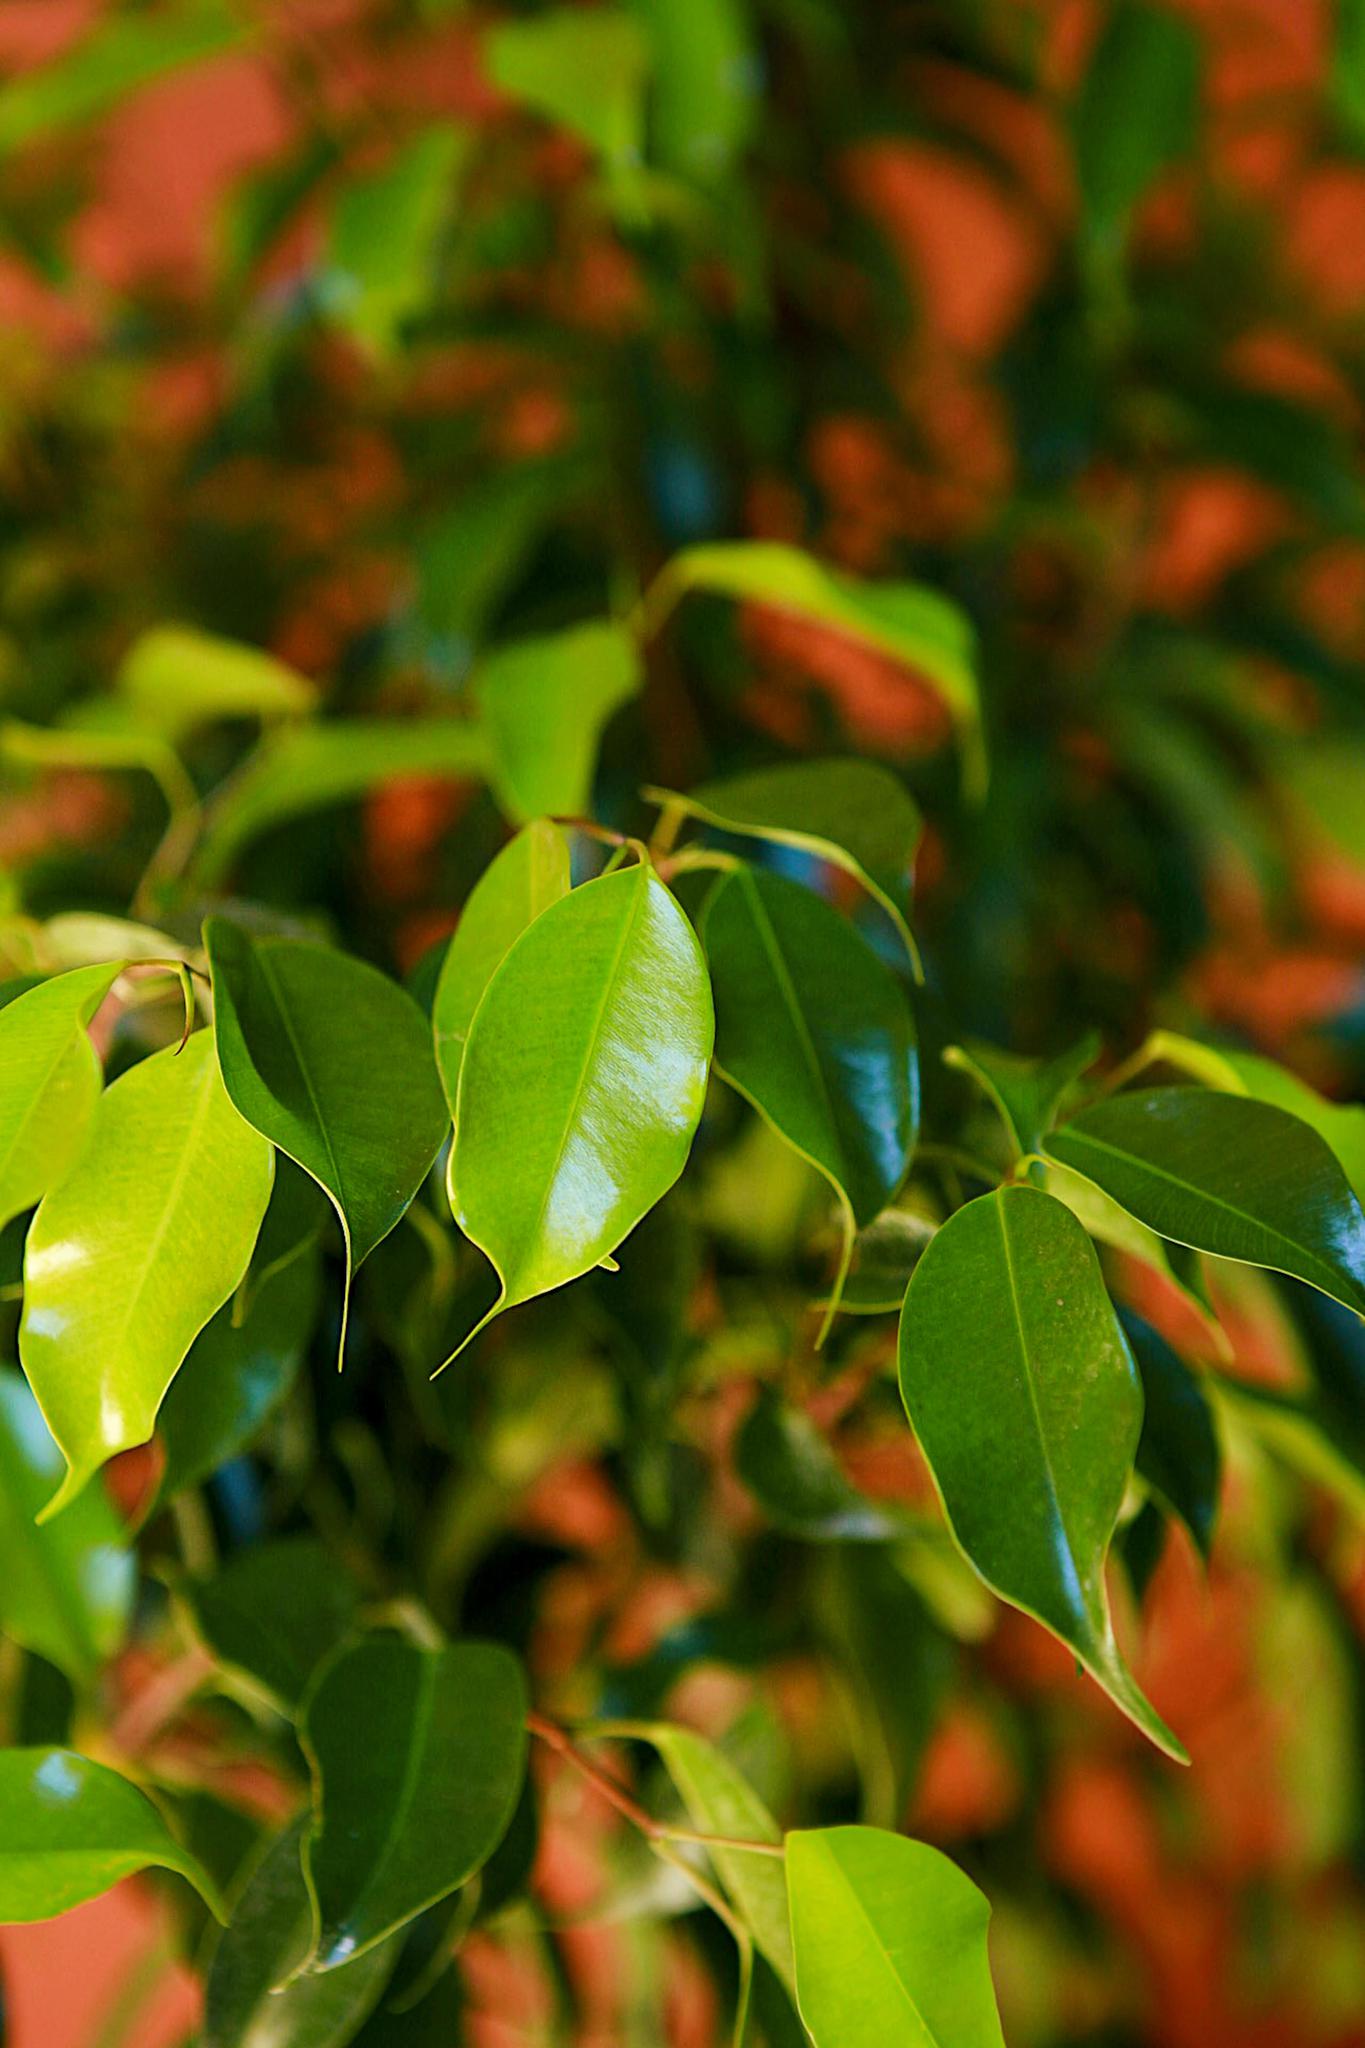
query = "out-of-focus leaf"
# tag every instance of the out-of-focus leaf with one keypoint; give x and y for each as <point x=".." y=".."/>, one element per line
<point x="50" y="1082"/>
<point x="527" y="877"/>
<point x="705" y="83"/>
<point x="70" y="1828"/>
<point x="544" y="704"/>
<point x="1227" y="1175"/>
<point x="582" y="1082"/>
<point x="1028" y="1093"/>
<point x="124" y="52"/>
<point x="332" y="1062"/>
<point x="130" y="1254"/>
<point x="109" y="738"/>
<point x="418" y="1758"/>
<point x="1137" y="110"/>
<point x="175" y="679"/>
<point x="902" y="620"/>
<point x="273" y="1612"/>
<point x="854" y="814"/>
<point x="1027" y="1405"/>
<point x="385" y="229"/>
<point x="582" y="68"/>
<point x="253" y="1998"/>
<point x="884" y="1257"/>
<point x="889" y="1938"/>
<point x="1178" y="1452"/>
<point x="67" y="1588"/>
<point x="794" y="1475"/>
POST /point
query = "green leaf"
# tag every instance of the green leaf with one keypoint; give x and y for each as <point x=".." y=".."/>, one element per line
<point x="69" y="1829"/>
<point x="527" y="877"/>
<point x="1178" y="1452"/>
<point x="50" y="1081"/>
<point x="418" y="1758"/>
<point x="544" y="705"/>
<point x="816" y="1033"/>
<point x="332" y="1062"/>
<point x="582" y="1083"/>
<point x="254" y="1997"/>
<point x="385" y="231"/>
<point x="273" y="1612"/>
<point x="1225" y="1175"/>
<point x="584" y="69"/>
<point x="853" y="814"/>
<point x="902" y="620"/>
<point x="1027" y="1405"/>
<point x="719" y="1801"/>
<point x="244" y="1361"/>
<point x="890" y="1943"/>
<point x="124" y="52"/>
<point x="311" y="767"/>
<point x="67" y="1588"/>
<point x="104" y="734"/>
<point x="884" y="1257"/>
<point x="791" y="1471"/>
<point x="1110" y="1224"/>
<point x="175" y="679"/>
<point x="706" y="87"/>
<point x="1029" y="1094"/>
<point x="1137" y="111"/>
<point x="129" y="1256"/>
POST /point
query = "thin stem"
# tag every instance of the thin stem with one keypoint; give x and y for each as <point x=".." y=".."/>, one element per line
<point x="656" y="1831"/>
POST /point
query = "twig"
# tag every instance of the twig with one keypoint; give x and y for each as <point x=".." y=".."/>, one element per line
<point x="655" y="1831"/>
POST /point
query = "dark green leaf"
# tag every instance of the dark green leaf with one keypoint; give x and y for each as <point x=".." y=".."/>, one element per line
<point x="273" y="1612"/>
<point x="1137" y="111"/>
<point x="1029" y="1094"/>
<point x="794" y="1475"/>
<point x="1178" y="1452"/>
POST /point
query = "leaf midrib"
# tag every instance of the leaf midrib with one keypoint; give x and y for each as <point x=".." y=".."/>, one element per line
<point x="883" y="1951"/>
<point x="787" y="988"/>
<point x="338" y="1193"/>
<point x="421" y="1723"/>
<point x="188" y="1151"/>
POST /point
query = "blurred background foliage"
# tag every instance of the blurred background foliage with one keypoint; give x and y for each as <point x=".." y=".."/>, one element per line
<point x="378" y="333"/>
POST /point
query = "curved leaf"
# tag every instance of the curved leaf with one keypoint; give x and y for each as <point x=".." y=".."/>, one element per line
<point x="67" y="1589"/>
<point x="816" y="1033"/>
<point x="1178" y="1452"/>
<point x="130" y="1255"/>
<point x="530" y="874"/>
<point x="1227" y="1175"/>
<point x="332" y="1062"/>
<point x="788" y="1466"/>
<point x="175" y="678"/>
<point x="1027" y="1093"/>
<point x="544" y="704"/>
<point x="70" y="1828"/>
<point x="273" y="1612"/>
<point x="582" y="1084"/>
<point x="890" y="1943"/>
<point x="854" y="814"/>
<point x="418" y="1758"/>
<point x="50" y="1081"/>
<point x="1026" y="1402"/>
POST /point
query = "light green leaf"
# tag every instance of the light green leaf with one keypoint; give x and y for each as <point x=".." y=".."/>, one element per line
<point x="273" y="1612"/>
<point x="1027" y="1405"/>
<point x="890" y="1943"/>
<point x="1227" y="1175"/>
<point x="816" y="1033"/>
<point x="385" y="229"/>
<point x="582" y="1083"/>
<point x="129" y="1256"/>
<point x="332" y="1062"/>
<point x="175" y="679"/>
<point x="105" y="736"/>
<point x="124" y="52"/>
<point x="69" y="1829"/>
<point x="254" y="1997"/>
<point x="544" y="704"/>
<point x="527" y="877"/>
<point x="706" y="88"/>
<point x="417" y="1758"/>
<point x="50" y="1081"/>
<point x="788" y="1466"/>
<point x="852" y="813"/>
<point x="1028" y="1093"/>
<point x="902" y="620"/>
<point x="311" y="767"/>
<point x="67" y="1588"/>
<point x="582" y="68"/>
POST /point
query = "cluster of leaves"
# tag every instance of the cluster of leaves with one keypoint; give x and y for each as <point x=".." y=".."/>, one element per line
<point x="739" y="1144"/>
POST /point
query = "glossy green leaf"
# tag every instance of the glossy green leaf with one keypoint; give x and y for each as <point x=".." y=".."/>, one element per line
<point x="69" y="1829"/>
<point x="243" y="1362"/>
<point x="67" y="1588"/>
<point x="584" y="69"/>
<point x="129" y="1256"/>
<point x="544" y="705"/>
<point x="1027" y="1405"/>
<point x="332" y="1062"/>
<point x="418" y="1758"/>
<point x="905" y="621"/>
<point x="1029" y="1094"/>
<point x="1178" y="1453"/>
<point x="385" y="231"/>
<point x="788" y="1466"/>
<point x="720" y="1801"/>
<point x="50" y="1081"/>
<point x="527" y="877"/>
<point x="311" y="767"/>
<point x="890" y="1943"/>
<point x="852" y="813"/>
<point x="1227" y="1175"/>
<point x="253" y="1996"/>
<point x="582" y="1083"/>
<point x="175" y="679"/>
<point x="816" y="1033"/>
<point x="273" y="1612"/>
